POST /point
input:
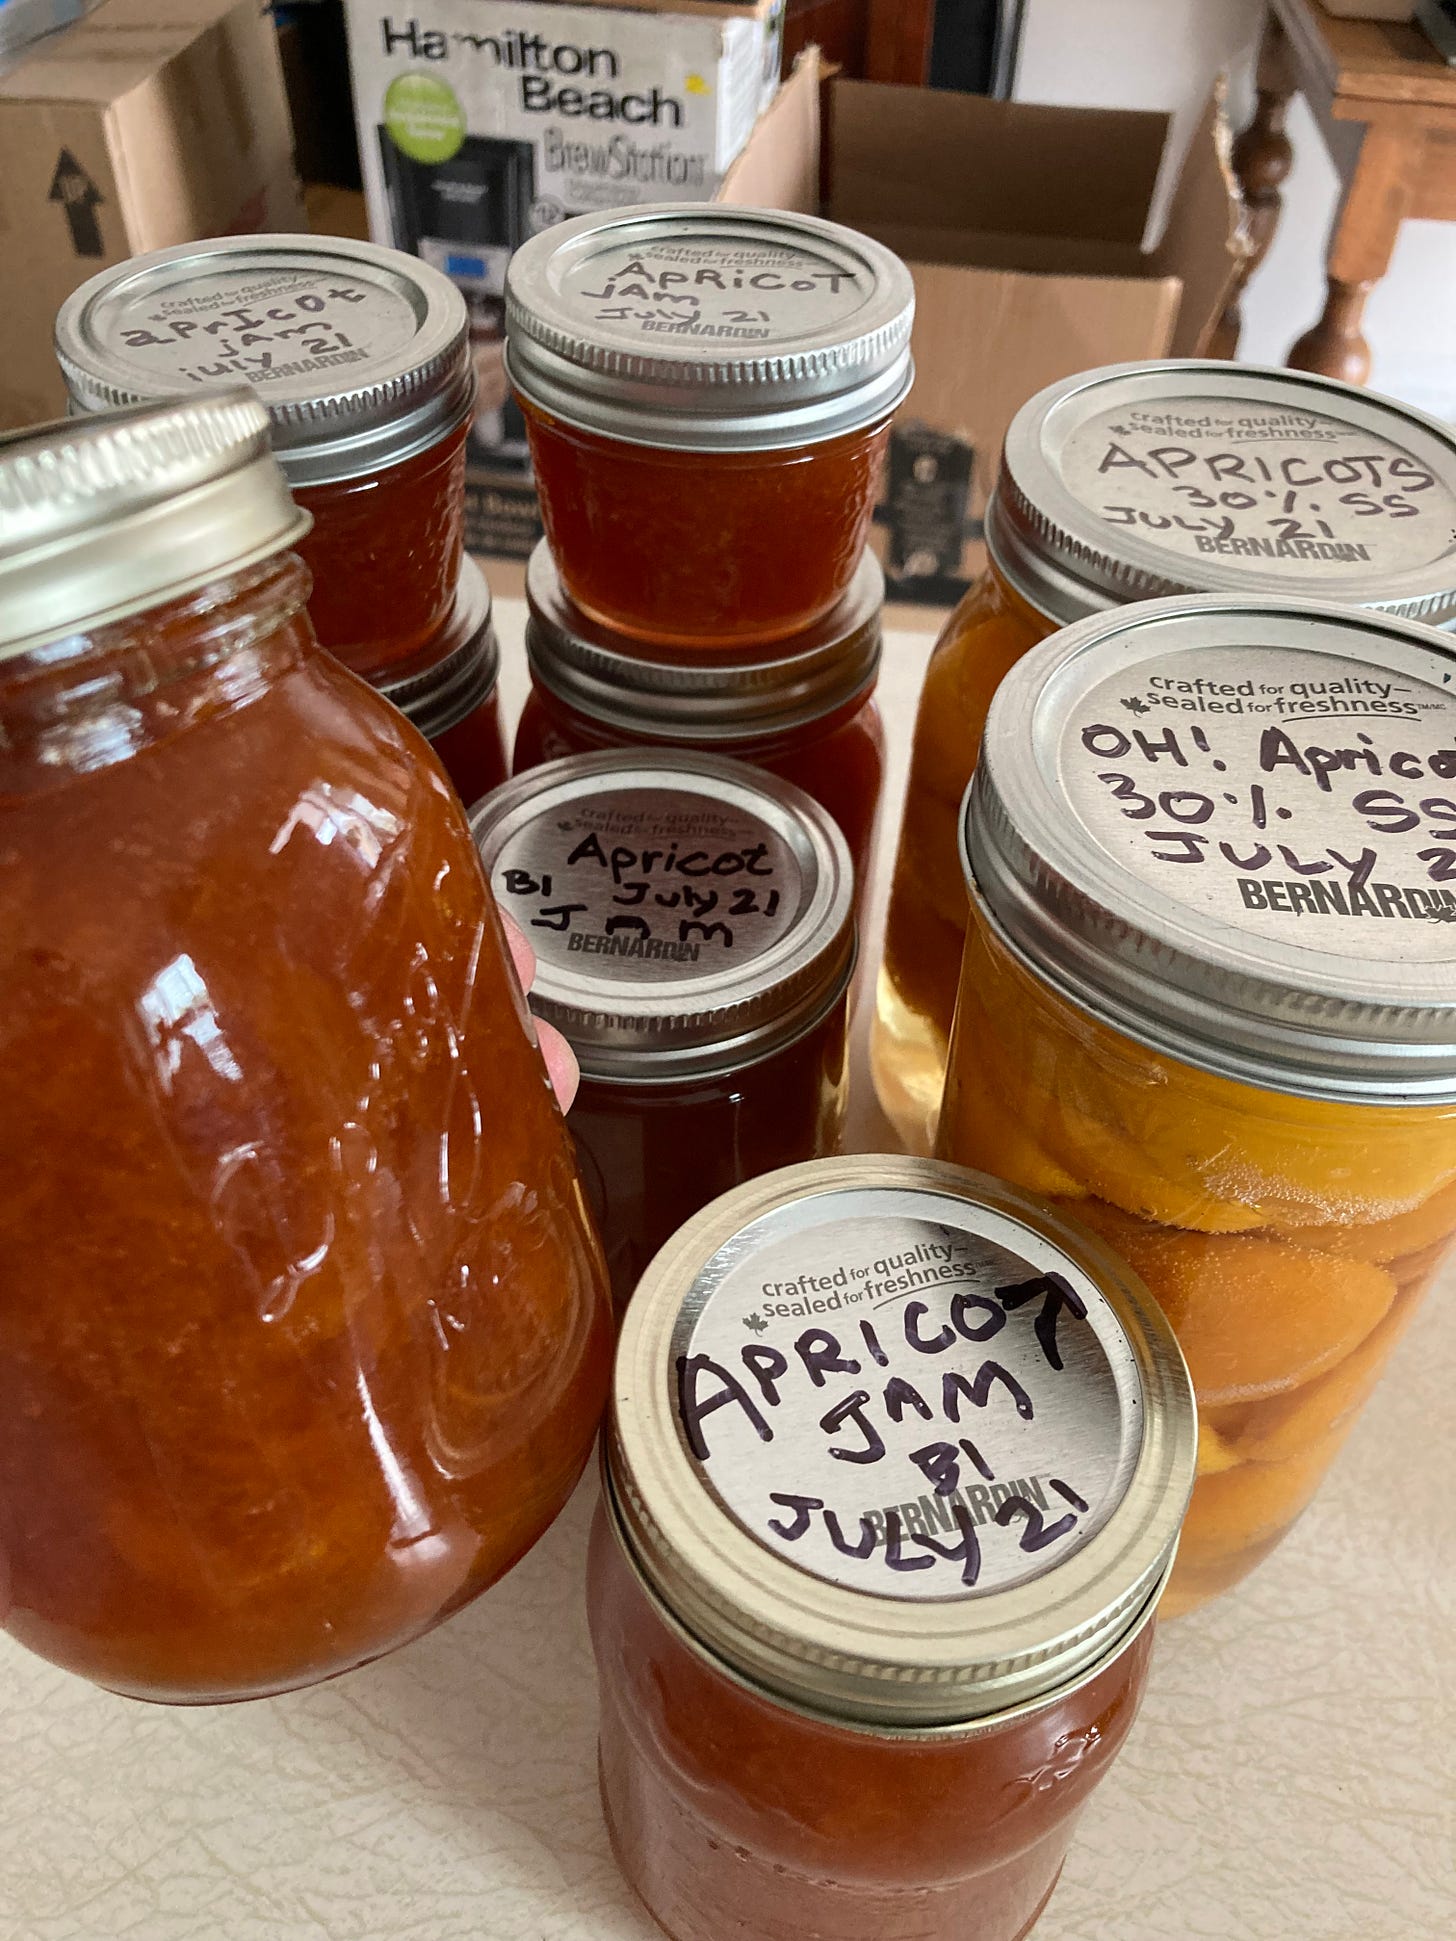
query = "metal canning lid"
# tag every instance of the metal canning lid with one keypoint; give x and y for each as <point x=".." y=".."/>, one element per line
<point x="688" y="913"/>
<point x="1138" y="481"/>
<point x="451" y="678"/>
<point x="603" y="674"/>
<point x="105" y="518"/>
<point x="360" y="354"/>
<point x="897" y="1441"/>
<point x="1228" y="827"/>
<point x="704" y="327"/>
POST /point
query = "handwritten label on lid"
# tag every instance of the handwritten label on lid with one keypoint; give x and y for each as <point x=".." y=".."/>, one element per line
<point x="905" y="1407"/>
<point x="721" y="289"/>
<point x="1302" y="796"/>
<point x="292" y="333"/>
<point x="1288" y="492"/>
<point x="649" y="885"/>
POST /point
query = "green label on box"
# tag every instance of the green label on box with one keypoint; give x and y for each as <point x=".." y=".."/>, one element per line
<point x="424" y="118"/>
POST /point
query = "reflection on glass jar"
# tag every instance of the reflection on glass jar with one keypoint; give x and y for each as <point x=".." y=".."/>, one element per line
<point x="362" y="358"/>
<point x="809" y="715"/>
<point x="449" y="692"/>
<point x="313" y="1336"/>
<point x="1206" y="1005"/>
<point x="829" y="1704"/>
<point x="692" y="496"/>
<point x="694" y="930"/>
<point x="1120" y="485"/>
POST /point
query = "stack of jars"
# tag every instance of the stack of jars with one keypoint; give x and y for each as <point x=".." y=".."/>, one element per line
<point x="361" y="357"/>
<point x="707" y="393"/>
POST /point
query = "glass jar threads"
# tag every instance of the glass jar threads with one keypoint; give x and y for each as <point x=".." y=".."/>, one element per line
<point x="362" y="357"/>
<point x="809" y="715"/>
<point x="1123" y="484"/>
<point x="707" y="392"/>
<point x="449" y="692"/>
<point x="895" y="1467"/>
<point x="694" y="933"/>
<point x="313" y="1335"/>
<point x="1208" y="1003"/>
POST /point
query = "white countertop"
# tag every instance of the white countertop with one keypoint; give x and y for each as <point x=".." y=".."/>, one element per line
<point x="1292" y="1777"/>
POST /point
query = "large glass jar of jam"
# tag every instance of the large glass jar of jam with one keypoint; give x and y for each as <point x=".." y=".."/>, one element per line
<point x="362" y="357"/>
<point x="1209" y="1003"/>
<point x="808" y="715"/>
<point x="694" y="935"/>
<point x="1124" y="484"/>
<point x="306" y="1333"/>
<point x="896" y="1462"/>
<point x="707" y="392"/>
<point x="449" y="691"/>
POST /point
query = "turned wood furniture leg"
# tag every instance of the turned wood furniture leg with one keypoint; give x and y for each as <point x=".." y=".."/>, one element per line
<point x="1262" y="161"/>
<point x="1375" y="205"/>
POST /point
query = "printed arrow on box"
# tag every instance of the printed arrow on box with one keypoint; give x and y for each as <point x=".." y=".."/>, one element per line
<point x="73" y="188"/>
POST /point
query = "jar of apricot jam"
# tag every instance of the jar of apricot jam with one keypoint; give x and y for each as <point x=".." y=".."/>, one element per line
<point x="449" y="692"/>
<point x="809" y="715"/>
<point x="1129" y="483"/>
<point x="707" y="393"/>
<point x="313" y="1331"/>
<point x="1209" y="1004"/>
<point x="895" y="1466"/>
<point x="694" y="933"/>
<point x="362" y="357"/>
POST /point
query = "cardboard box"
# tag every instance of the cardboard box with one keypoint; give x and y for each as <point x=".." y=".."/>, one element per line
<point x="776" y="164"/>
<point x="1022" y="226"/>
<point x="147" y="123"/>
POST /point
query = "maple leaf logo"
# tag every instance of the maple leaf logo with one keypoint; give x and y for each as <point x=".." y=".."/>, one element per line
<point x="1136" y="706"/>
<point x="756" y="1322"/>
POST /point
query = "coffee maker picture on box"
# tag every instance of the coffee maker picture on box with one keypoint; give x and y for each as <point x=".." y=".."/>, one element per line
<point x="484" y="121"/>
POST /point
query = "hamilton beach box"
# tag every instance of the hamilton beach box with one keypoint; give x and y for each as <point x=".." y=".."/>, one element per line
<point x="484" y="121"/>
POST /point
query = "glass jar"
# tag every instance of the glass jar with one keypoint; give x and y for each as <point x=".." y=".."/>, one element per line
<point x="449" y="692"/>
<point x="1208" y="1004"/>
<point x="1119" y="485"/>
<point x="312" y="1338"/>
<point x="694" y="934"/>
<point x="695" y="496"/>
<point x="809" y="716"/>
<point x="362" y="357"/>
<point x="870" y="1598"/>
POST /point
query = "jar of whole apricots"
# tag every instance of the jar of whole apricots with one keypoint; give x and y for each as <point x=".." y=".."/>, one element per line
<point x="1208" y="1003"/>
<point x="361" y="356"/>
<point x="708" y="393"/>
<point x="894" y="1473"/>
<point x="1128" y="483"/>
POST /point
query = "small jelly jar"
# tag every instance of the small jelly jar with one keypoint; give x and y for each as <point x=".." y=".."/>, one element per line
<point x="1123" y="484"/>
<point x="809" y="715"/>
<point x="362" y="358"/>
<point x="449" y="692"/>
<point x="894" y="1471"/>
<point x="1208" y="1004"/>
<point x="694" y="933"/>
<point x="313" y="1333"/>
<point x="707" y="392"/>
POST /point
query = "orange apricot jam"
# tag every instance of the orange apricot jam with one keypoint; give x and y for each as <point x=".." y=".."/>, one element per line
<point x="894" y="1471"/>
<point x="1118" y="485"/>
<point x="362" y="358"/>
<point x="694" y="933"/>
<point x="314" y="1333"/>
<point x="809" y="716"/>
<point x="1207" y="1007"/>
<point x="449" y="692"/>
<point x="707" y="392"/>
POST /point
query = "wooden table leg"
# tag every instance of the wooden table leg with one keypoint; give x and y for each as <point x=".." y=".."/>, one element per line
<point x="1262" y="160"/>
<point x="1375" y="205"/>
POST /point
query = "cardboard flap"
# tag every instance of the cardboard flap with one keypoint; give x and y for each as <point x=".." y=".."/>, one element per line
<point x="997" y="167"/>
<point x="1032" y="255"/>
<point x="779" y="169"/>
<point x="1206" y="240"/>
<point x="113" y="50"/>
